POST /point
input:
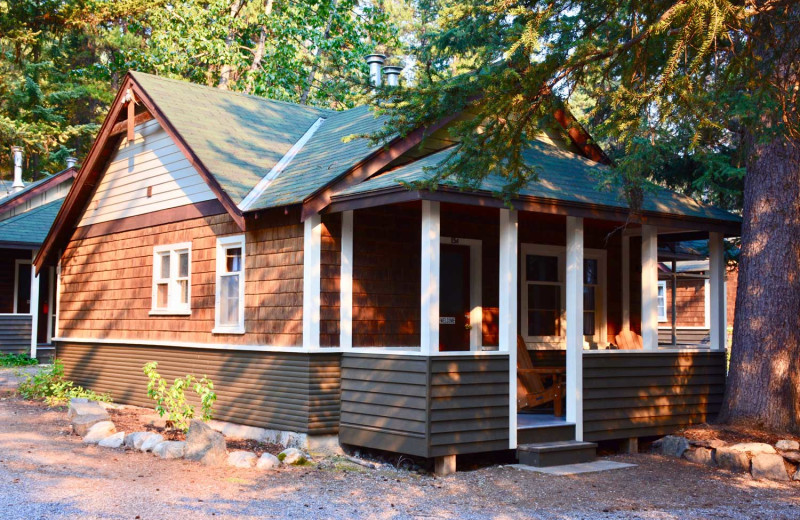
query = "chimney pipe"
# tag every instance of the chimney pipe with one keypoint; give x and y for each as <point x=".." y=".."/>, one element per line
<point x="375" y="61"/>
<point x="392" y="73"/>
<point x="16" y="152"/>
<point x="71" y="161"/>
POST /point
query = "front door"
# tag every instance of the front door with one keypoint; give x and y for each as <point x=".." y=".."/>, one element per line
<point x="23" y="303"/>
<point x="454" y="322"/>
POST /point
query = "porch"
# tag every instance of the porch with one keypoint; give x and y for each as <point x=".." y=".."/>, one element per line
<point x="433" y="296"/>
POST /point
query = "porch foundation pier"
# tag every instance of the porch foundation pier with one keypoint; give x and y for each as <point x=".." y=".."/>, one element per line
<point x="630" y="445"/>
<point x="649" y="288"/>
<point x="716" y="261"/>
<point x="444" y="466"/>
<point x="574" y="338"/>
<point x="429" y="277"/>
<point x="34" y="306"/>
<point x="507" y="321"/>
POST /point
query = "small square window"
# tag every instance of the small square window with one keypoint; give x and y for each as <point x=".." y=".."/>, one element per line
<point x="172" y="279"/>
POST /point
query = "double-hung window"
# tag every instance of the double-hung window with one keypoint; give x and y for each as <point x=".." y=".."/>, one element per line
<point x="662" y="300"/>
<point x="229" y="313"/>
<point x="172" y="279"/>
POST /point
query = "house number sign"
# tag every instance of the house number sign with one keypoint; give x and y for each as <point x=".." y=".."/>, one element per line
<point x="447" y="320"/>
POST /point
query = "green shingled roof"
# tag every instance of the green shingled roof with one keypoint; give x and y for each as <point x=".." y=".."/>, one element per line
<point x="238" y="138"/>
<point x="563" y="176"/>
<point x="30" y="227"/>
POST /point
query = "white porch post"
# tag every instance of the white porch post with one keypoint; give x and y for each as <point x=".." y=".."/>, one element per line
<point x="626" y="282"/>
<point x="34" y="306"/>
<point x="649" y="288"/>
<point x="508" y="311"/>
<point x="716" y="262"/>
<point x="346" y="283"/>
<point x="312" y="270"/>
<point x="429" y="279"/>
<point x="575" y="324"/>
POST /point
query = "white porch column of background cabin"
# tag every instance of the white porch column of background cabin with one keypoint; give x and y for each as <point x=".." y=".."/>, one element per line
<point x="649" y="288"/>
<point x="429" y="278"/>
<point x="574" y="338"/>
<point x="716" y="266"/>
<point x="626" y="282"/>
<point x="34" y="308"/>
<point x="346" y="283"/>
<point x="507" y="311"/>
<point x="312" y="259"/>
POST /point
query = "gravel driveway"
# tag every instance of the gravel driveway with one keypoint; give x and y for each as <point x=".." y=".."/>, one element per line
<point x="45" y="472"/>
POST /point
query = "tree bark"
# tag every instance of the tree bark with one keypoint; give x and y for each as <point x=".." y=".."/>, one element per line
<point x="764" y="380"/>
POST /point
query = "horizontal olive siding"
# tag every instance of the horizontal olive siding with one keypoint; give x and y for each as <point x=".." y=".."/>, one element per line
<point x="427" y="407"/>
<point x="385" y="402"/>
<point x="15" y="333"/>
<point x="685" y="336"/>
<point x="638" y="394"/>
<point x="468" y="405"/>
<point x="285" y="391"/>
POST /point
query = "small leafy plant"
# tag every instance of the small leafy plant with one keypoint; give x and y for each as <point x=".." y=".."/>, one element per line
<point x="16" y="360"/>
<point x="172" y="401"/>
<point x="50" y="386"/>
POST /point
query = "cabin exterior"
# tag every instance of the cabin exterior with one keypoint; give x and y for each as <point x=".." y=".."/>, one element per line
<point x="27" y="301"/>
<point x="242" y="238"/>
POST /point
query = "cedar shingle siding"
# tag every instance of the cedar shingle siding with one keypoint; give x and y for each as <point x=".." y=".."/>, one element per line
<point x="107" y="283"/>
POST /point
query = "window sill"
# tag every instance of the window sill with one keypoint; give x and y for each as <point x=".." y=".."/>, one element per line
<point x="168" y="312"/>
<point x="227" y="330"/>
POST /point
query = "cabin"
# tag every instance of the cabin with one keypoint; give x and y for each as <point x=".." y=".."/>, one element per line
<point x="246" y="239"/>
<point x="27" y="301"/>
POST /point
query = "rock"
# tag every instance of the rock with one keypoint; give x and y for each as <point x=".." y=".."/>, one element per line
<point x="151" y="442"/>
<point x="753" y="448"/>
<point x="699" y="456"/>
<point x="792" y="456"/>
<point x="99" y="431"/>
<point x="205" y="445"/>
<point x="787" y="445"/>
<point x="769" y="466"/>
<point x="708" y="443"/>
<point x="241" y="459"/>
<point x="115" y="441"/>
<point x="732" y="459"/>
<point x="267" y="461"/>
<point x="292" y="456"/>
<point x="170" y="449"/>
<point x="135" y="440"/>
<point x="796" y="475"/>
<point x="79" y="407"/>
<point x="82" y="423"/>
<point x="673" y="446"/>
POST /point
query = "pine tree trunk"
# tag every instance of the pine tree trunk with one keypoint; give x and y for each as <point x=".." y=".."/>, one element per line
<point x="764" y="378"/>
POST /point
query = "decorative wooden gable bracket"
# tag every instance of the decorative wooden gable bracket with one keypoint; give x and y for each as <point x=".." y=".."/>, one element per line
<point x="129" y="124"/>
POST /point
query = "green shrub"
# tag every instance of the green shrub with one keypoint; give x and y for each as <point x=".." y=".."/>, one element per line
<point x="172" y="401"/>
<point x="49" y="385"/>
<point x="16" y="360"/>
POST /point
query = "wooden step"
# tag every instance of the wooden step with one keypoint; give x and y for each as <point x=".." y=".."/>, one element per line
<point x="544" y="454"/>
<point x="551" y="433"/>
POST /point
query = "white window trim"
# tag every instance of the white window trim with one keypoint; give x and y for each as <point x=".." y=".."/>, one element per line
<point x="600" y="337"/>
<point x="224" y="243"/>
<point x="662" y="317"/>
<point x="173" y="308"/>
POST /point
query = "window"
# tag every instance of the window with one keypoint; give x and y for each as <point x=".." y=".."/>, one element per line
<point x="172" y="279"/>
<point x="662" y="300"/>
<point x="230" y="285"/>
<point x="544" y="294"/>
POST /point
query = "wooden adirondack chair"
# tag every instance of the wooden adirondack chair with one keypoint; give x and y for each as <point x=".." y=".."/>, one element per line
<point x="530" y="382"/>
<point x="628" y="340"/>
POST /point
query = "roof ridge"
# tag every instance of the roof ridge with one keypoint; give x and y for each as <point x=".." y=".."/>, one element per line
<point x="187" y="83"/>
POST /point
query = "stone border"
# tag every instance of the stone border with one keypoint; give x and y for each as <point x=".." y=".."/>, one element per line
<point x="760" y="460"/>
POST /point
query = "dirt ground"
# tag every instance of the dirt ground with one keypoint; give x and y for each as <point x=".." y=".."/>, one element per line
<point x="45" y="472"/>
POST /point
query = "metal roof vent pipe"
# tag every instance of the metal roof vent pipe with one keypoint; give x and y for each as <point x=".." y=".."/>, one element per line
<point x="71" y="162"/>
<point x="392" y="73"/>
<point x="375" y="61"/>
<point x="16" y="153"/>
